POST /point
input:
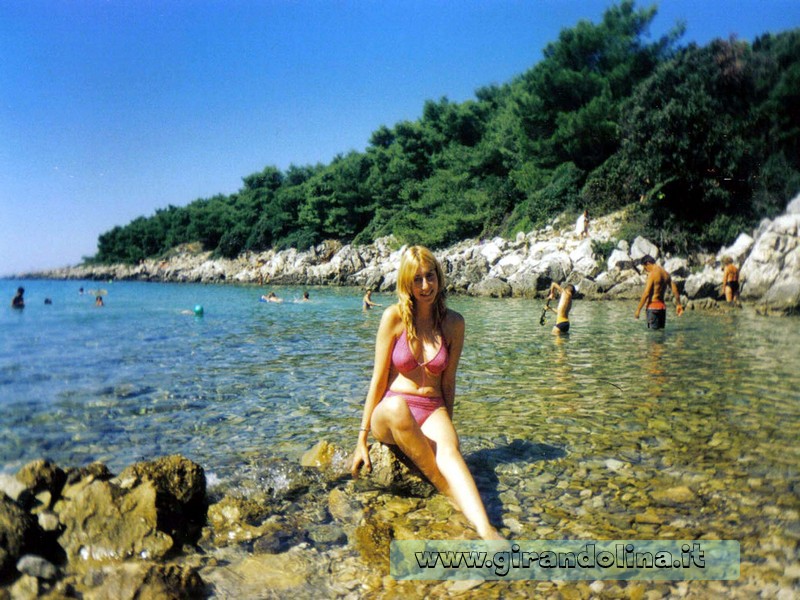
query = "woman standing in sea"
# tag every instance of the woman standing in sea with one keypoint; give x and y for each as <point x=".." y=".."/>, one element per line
<point x="411" y="395"/>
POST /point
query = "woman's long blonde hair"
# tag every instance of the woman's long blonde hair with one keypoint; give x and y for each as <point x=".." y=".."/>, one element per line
<point x="410" y="262"/>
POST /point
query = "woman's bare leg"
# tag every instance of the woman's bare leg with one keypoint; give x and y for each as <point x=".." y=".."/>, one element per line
<point x="393" y="423"/>
<point x="451" y="464"/>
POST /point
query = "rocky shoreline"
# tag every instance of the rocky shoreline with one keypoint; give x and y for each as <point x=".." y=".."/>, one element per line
<point x="769" y="258"/>
<point x="157" y="530"/>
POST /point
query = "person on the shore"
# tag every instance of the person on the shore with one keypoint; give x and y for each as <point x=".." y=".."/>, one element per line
<point x="367" y="302"/>
<point x="730" y="280"/>
<point x="412" y="391"/>
<point x="18" y="301"/>
<point x="658" y="280"/>
<point x="582" y="225"/>
<point x="564" y="306"/>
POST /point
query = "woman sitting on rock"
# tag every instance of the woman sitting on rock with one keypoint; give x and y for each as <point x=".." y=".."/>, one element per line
<point x="410" y="398"/>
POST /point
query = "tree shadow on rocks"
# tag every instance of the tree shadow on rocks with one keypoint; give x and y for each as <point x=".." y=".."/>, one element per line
<point x="483" y="466"/>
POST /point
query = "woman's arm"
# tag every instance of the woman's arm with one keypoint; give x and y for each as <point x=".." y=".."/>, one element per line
<point x="378" y="384"/>
<point x="454" y="328"/>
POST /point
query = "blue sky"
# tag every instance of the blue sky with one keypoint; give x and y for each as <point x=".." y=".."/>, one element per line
<point x="111" y="109"/>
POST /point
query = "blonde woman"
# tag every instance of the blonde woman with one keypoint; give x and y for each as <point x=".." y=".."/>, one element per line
<point x="410" y="398"/>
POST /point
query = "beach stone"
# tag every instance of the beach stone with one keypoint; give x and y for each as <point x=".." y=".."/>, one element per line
<point x="43" y="476"/>
<point x="234" y="520"/>
<point x="16" y="528"/>
<point x="619" y="260"/>
<point x="135" y="580"/>
<point x="95" y="470"/>
<point x="181" y="498"/>
<point x="25" y="587"/>
<point x="36" y="566"/>
<point x="491" y="287"/>
<point x="343" y="507"/>
<point x="782" y="298"/>
<point x="392" y="471"/>
<point x="705" y="284"/>
<point x="739" y="249"/>
<point x="48" y="520"/>
<point x="524" y="284"/>
<point x="677" y="267"/>
<point x="13" y="488"/>
<point x="284" y="575"/>
<point x="327" y="534"/>
<point x="104" y="522"/>
<point x="372" y="539"/>
<point x="320" y="455"/>
<point x="674" y="496"/>
<point x="642" y="246"/>
<point x="649" y="516"/>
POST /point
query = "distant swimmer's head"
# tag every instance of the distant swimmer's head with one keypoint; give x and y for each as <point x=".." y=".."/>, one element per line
<point x="198" y="310"/>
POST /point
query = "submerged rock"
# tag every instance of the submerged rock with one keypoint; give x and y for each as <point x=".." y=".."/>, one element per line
<point x="142" y="580"/>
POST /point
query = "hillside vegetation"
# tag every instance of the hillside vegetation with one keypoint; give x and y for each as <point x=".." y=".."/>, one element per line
<point x="704" y="140"/>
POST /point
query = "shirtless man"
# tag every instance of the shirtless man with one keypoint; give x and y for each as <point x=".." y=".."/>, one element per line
<point x="730" y="280"/>
<point x="653" y="296"/>
<point x="564" y="304"/>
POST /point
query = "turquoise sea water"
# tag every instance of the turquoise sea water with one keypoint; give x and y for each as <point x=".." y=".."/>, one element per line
<point x="137" y="378"/>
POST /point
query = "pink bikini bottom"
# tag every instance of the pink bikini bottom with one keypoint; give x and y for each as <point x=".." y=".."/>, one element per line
<point x="421" y="407"/>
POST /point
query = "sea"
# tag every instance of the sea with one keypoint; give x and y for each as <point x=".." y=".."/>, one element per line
<point x="697" y="424"/>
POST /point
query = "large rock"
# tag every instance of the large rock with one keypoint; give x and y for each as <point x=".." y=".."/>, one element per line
<point x="642" y="246"/>
<point x="181" y="499"/>
<point x="677" y="267"/>
<point x="774" y="260"/>
<point x="42" y="475"/>
<point x="392" y="471"/>
<point x="583" y="260"/>
<point x="739" y="250"/>
<point x="524" y="284"/>
<point x="619" y="260"/>
<point x="705" y="284"/>
<point x="782" y="298"/>
<point x="492" y="287"/>
<point x="104" y="522"/>
<point x="16" y="528"/>
<point x="555" y="267"/>
<point x="142" y="581"/>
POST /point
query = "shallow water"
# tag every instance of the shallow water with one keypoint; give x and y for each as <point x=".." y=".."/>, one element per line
<point x="572" y="436"/>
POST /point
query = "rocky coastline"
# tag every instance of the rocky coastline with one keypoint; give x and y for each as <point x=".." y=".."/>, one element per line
<point x="159" y="530"/>
<point x="769" y="258"/>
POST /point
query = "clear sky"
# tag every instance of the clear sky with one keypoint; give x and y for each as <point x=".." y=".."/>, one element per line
<point x="110" y="109"/>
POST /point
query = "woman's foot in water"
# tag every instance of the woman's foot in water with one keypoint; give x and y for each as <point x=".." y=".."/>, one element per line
<point x="491" y="534"/>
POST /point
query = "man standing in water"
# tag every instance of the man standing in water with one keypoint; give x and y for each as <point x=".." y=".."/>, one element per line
<point x="18" y="301"/>
<point x="653" y="296"/>
<point x="730" y="280"/>
<point x="564" y="304"/>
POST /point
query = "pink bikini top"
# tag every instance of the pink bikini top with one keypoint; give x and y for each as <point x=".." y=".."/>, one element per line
<point x="405" y="361"/>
